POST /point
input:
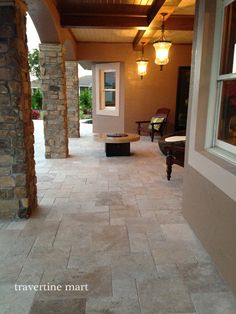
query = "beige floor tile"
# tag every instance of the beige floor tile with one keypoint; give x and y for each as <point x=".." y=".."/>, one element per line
<point x="86" y="262"/>
<point x="178" y="232"/>
<point x="62" y="306"/>
<point x="47" y="258"/>
<point x="166" y="295"/>
<point x="170" y="217"/>
<point x="168" y="271"/>
<point x="15" y="302"/>
<point x="124" y="288"/>
<point x="178" y="252"/>
<point x="112" y="305"/>
<point x="214" y="303"/>
<point x="133" y="265"/>
<point x="138" y="242"/>
<point x="202" y="278"/>
<point x="116" y="225"/>
<point x="111" y="239"/>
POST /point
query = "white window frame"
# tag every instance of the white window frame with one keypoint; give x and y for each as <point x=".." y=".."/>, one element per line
<point x="213" y="144"/>
<point x="101" y="108"/>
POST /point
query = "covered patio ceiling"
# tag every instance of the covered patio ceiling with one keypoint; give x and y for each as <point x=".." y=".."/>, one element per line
<point x="127" y="21"/>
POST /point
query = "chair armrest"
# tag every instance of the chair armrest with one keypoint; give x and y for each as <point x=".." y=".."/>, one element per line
<point x="146" y="121"/>
<point x="139" y="125"/>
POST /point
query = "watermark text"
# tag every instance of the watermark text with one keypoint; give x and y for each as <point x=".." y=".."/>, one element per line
<point x="52" y="287"/>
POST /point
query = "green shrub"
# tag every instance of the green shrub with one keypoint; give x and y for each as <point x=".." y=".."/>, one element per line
<point x="85" y="104"/>
<point x="37" y="99"/>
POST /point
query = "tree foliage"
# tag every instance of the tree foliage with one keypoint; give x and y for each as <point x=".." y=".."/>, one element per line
<point x="33" y="59"/>
<point x="85" y="103"/>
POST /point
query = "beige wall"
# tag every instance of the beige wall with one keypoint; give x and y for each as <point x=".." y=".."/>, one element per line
<point x="212" y="215"/>
<point x="141" y="97"/>
<point x="102" y="123"/>
<point x="209" y="203"/>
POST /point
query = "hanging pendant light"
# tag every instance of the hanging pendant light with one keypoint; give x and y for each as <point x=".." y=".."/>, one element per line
<point x="162" y="46"/>
<point x="142" y="64"/>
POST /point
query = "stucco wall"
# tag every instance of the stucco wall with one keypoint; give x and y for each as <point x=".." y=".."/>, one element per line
<point x="141" y="97"/>
<point x="212" y="215"/>
<point x="209" y="179"/>
<point x="156" y="90"/>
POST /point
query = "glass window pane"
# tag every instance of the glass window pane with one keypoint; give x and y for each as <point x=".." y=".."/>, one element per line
<point x="109" y="80"/>
<point x="227" y="119"/>
<point x="110" y="100"/>
<point x="228" y="52"/>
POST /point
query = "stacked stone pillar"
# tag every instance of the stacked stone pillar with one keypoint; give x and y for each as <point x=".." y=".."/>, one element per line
<point x="54" y="100"/>
<point x="72" y="94"/>
<point x="17" y="166"/>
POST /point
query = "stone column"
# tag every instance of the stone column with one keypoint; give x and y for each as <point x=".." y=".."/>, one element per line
<point x="72" y="94"/>
<point x="17" y="166"/>
<point x="54" y="100"/>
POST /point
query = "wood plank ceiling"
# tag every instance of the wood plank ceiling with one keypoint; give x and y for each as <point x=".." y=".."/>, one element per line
<point x="127" y="21"/>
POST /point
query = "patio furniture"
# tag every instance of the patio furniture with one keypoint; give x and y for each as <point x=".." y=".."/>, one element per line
<point x="156" y="124"/>
<point x="173" y="146"/>
<point x="117" y="144"/>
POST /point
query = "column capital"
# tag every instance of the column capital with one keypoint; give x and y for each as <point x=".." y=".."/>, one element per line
<point x="7" y="3"/>
<point x="51" y="47"/>
<point x="12" y="3"/>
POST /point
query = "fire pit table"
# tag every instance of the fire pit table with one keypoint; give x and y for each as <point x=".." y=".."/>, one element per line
<point x="117" y="144"/>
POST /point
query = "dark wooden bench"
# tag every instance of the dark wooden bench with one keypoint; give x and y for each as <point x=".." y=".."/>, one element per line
<point x="173" y="150"/>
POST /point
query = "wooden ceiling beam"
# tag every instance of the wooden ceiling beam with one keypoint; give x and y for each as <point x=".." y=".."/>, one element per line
<point x="180" y="23"/>
<point x="108" y="9"/>
<point x="154" y="9"/>
<point x="152" y="13"/>
<point x="137" y="38"/>
<point x="103" y="16"/>
<point x="76" y="20"/>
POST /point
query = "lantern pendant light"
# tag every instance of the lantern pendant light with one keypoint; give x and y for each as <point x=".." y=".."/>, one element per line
<point x="142" y="64"/>
<point x="162" y="47"/>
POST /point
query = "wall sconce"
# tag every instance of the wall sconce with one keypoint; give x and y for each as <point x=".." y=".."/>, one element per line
<point x="162" y="46"/>
<point x="142" y="64"/>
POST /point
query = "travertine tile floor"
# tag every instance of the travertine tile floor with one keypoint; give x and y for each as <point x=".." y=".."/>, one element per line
<point x="115" y="225"/>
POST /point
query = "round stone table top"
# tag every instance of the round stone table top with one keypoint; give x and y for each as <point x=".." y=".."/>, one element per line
<point x="116" y="138"/>
<point x="172" y="139"/>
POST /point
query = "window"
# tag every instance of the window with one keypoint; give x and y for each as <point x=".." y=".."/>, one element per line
<point x="213" y="163"/>
<point x="224" y="136"/>
<point x="107" y="89"/>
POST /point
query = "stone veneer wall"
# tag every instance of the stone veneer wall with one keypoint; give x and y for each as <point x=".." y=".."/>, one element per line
<point x="54" y="100"/>
<point x="72" y="94"/>
<point x="17" y="165"/>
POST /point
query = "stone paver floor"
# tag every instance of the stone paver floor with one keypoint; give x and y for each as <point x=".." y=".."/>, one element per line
<point x="108" y="237"/>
